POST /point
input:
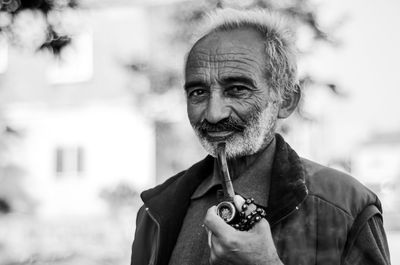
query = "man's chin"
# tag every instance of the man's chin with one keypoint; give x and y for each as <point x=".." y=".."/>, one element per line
<point x="236" y="144"/>
<point x="233" y="149"/>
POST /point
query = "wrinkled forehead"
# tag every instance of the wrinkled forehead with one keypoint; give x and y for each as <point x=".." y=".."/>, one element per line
<point x="240" y="48"/>
<point x="213" y="56"/>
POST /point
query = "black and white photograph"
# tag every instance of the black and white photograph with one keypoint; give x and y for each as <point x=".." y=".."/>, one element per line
<point x="208" y="132"/>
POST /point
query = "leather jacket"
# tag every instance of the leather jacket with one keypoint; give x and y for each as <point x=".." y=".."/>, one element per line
<point x="311" y="211"/>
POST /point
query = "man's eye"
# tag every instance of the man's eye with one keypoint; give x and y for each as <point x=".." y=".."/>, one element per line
<point x="237" y="90"/>
<point x="196" y="93"/>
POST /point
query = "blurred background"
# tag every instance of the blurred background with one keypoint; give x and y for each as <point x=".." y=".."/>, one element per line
<point x="92" y="112"/>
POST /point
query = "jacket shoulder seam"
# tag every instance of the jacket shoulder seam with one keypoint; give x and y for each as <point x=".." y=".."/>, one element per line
<point x="332" y="204"/>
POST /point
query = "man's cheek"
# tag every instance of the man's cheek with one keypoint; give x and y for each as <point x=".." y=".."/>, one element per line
<point x="247" y="110"/>
<point x="194" y="115"/>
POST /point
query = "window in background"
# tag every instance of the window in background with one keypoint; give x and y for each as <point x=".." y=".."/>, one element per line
<point x="69" y="161"/>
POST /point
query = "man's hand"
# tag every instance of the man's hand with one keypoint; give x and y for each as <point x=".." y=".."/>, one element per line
<point x="230" y="246"/>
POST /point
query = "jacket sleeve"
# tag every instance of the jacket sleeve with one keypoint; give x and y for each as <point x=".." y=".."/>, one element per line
<point x="143" y="243"/>
<point x="370" y="245"/>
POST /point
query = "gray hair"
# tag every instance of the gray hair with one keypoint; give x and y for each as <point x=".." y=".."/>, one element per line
<point x="281" y="68"/>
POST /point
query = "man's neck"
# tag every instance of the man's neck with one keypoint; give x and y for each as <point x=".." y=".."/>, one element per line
<point x="238" y="165"/>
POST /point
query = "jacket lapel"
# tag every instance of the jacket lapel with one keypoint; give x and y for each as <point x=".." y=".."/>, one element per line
<point x="169" y="202"/>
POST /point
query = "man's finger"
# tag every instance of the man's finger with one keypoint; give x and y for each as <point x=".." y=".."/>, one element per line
<point x="216" y="224"/>
<point x="216" y="250"/>
<point x="239" y="201"/>
<point x="261" y="227"/>
<point x="209" y="236"/>
<point x="212" y="258"/>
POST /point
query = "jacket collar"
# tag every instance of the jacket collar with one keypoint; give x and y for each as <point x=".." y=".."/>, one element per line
<point x="288" y="187"/>
<point x="169" y="201"/>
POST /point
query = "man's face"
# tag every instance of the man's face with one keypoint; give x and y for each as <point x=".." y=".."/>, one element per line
<point x="228" y="98"/>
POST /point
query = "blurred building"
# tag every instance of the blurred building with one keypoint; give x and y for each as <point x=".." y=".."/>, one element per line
<point x="80" y="130"/>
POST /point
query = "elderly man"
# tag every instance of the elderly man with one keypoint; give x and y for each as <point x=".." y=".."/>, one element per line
<point x="240" y="78"/>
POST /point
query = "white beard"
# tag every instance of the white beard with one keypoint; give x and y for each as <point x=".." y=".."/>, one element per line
<point x="256" y="135"/>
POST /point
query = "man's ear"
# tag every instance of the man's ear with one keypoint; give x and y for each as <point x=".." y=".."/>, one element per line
<point x="289" y="103"/>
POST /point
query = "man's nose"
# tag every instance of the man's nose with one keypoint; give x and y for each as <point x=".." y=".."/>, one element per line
<point x="217" y="109"/>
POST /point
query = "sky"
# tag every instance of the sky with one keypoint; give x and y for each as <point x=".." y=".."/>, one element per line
<point x="365" y="66"/>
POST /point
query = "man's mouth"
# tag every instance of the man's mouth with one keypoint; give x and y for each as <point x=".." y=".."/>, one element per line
<point x="218" y="135"/>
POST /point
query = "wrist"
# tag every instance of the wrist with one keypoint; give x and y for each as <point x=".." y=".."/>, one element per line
<point x="275" y="260"/>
